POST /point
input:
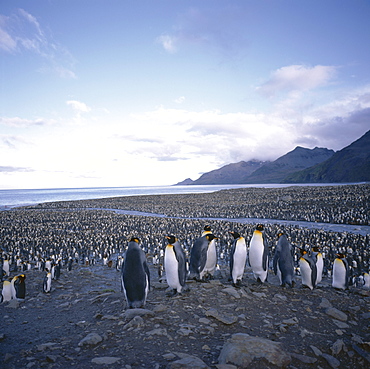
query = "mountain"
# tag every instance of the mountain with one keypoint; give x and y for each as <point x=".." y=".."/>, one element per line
<point x="296" y="160"/>
<point x="351" y="164"/>
<point x="234" y="173"/>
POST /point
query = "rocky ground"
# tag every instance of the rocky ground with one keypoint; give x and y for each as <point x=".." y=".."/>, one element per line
<point x="83" y="323"/>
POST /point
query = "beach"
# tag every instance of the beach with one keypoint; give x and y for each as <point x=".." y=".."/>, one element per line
<point x="320" y="327"/>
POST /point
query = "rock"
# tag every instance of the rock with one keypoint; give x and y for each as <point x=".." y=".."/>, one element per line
<point x="340" y="324"/>
<point x="90" y="340"/>
<point x="337" y="347"/>
<point x="232" y="292"/>
<point x="325" y="303"/>
<point x="332" y="361"/>
<point x="188" y="362"/>
<point x="303" y="358"/>
<point x="13" y="304"/>
<point x="336" y="314"/>
<point x="226" y="366"/>
<point x="134" y="323"/>
<point x="131" y="313"/>
<point x="241" y="349"/>
<point x="291" y="321"/>
<point x="46" y="346"/>
<point x="315" y="350"/>
<point x="105" y="360"/>
<point x="228" y="320"/>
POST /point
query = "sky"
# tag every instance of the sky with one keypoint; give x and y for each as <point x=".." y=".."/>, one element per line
<point x="148" y="93"/>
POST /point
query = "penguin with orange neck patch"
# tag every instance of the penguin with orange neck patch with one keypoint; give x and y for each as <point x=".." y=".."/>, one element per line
<point x="308" y="269"/>
<point x="175" y="265"/>
<point x="135" y="276"/>
<point x="258" y="254"/>
<point x="340" y="272"/>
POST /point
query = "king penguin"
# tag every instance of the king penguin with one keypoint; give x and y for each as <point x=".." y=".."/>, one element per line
<point x="258" y="254"/>
<point x="317" y="256"/>
<point x="19" y="287"/>
<point x="135" y="276"/>
<point x="206" y="230"/>
<point x="340" y="272"/>
<point x="283" y="261"/>
<point x="6" y="293"/>
<point x="307" y="267"/>
<point x="201" y="260"/>
<point x="175" y="264"/>
<point x="46" y="284"/>
<point x="366" y="277"/>
<point x="6" y="267"/>
<point x="238" y="258"/>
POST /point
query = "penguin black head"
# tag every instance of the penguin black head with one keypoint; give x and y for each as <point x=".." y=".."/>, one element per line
<point x="171" y="239"/>
<point x="134" y="239"/>
<point x="210" y="237"/>
<point x="279" y="234"/>
<point x="235" y="234"/>
<point x="259" y="227"/>
<point x="315" y="249"/>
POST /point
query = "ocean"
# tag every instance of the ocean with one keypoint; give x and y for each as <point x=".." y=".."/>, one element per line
<point x="23" y="197"/>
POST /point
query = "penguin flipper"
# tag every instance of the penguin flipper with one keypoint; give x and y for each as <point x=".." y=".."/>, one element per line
<point x="232" y="251"/>
<point x="146" y="269"/>
<point x="275" y="263"/>
<point x="265" y="253"/>
<point x="313" y="272"/>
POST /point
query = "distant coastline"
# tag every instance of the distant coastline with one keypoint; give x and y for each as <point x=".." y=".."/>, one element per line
<point x="10" y="198"/>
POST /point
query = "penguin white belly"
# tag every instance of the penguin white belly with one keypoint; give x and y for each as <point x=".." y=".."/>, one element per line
<point x="255" y="258"/>
<point x="12" y="288"/>
<point x="306" y="272"/>
<point x="278" y="272"/>
<point x="339" y="275"/>
<point x="171" y="268"/>
<point x="6" y="268"/>
<point x="240" y="257"/>
<point x="320" y="267"/>
<point x="7" y="291"/>
<point x="367" y="280"/>
<point x="211" y="258"/>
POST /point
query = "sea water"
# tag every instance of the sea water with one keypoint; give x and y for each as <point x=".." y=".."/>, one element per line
<point x="23" y="197"/>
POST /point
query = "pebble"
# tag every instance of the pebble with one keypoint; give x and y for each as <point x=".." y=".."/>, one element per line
<point x="241" y="349"/>
<point x="188" y="362"/>
<point x="332" y="361"/>
<point x="336" y="314"/>
<point x="105" y="360"/>
<point x="228" y="320"/>
<point x="90" y="340"/>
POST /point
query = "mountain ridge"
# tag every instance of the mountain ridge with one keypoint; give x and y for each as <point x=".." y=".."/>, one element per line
<point x="301" y="165"/>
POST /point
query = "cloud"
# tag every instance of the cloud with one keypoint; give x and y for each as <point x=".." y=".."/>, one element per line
<point x="297" y="78"/>
<point x="78" y="106"/>
<point x="21" y="33"/>
<point x="168" y="43"/>
<point x="20" y="122"/>
<point x="10" y="169"/>
<point x="209" y="28"/>
<point x="180" y="100"/>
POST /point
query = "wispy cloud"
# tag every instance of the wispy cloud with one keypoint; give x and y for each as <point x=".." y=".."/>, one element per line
<point x="211" y="28"/>
<point x="21" y="32"/>
<point x="297" y="78"/>
<point x="78" y="106"/>
<point x="10" y="169"/>
<point x="21" y="122"/>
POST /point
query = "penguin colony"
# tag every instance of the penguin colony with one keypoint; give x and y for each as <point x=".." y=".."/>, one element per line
<point x="55" y="240"/>
<point x="199" y="264"/>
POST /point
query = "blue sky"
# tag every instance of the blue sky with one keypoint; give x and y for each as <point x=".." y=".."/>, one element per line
<point x="136" y="93"/>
